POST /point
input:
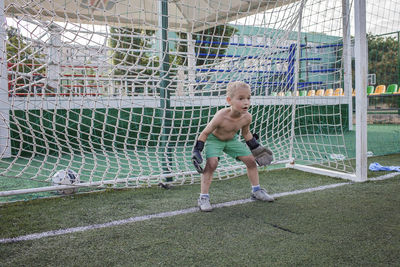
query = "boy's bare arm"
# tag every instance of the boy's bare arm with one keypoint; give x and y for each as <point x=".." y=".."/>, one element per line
<point x="209" y="128"/>
<point x="197" y="159"/>
<point x="246" y="131"/>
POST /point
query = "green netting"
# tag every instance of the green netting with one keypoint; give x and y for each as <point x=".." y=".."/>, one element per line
<point x="57" y="131"/>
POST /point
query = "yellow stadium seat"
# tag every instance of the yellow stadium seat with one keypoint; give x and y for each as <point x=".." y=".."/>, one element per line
<point x="311" y="93"/>
<point x="398" y="92"/>
<point x="380" y="89"/>
<point x="338" y="92"/>
<point x="281" y="94"/>
<point x="320" y="92"/>
<point x="329" y="92"/>
<point x="353" y="93"/>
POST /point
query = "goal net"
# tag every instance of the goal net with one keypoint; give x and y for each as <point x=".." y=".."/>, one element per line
<point x="118" y="90"/>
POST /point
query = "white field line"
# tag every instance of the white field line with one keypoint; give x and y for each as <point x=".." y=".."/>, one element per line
<point x="172" y="213"/>
<point x="384" y="177"/>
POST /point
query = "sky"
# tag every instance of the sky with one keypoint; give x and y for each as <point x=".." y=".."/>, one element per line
<point x="383" y="16"/>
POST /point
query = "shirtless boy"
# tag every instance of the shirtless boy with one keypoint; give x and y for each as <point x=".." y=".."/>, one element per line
<point x="221" y="136"/>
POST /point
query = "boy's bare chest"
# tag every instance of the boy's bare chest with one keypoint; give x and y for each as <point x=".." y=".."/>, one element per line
<point x="232" y="126"/>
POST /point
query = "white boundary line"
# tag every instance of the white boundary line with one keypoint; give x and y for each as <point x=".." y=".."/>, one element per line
<point x="384" y="177"/>
<point x="172" y="213"/>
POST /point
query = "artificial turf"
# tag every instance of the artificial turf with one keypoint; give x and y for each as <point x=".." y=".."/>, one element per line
<point x="352" y="225"/>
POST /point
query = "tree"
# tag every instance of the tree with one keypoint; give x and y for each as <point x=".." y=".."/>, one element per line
<point x="211" y="44"/>
<point x="21" y="59"/>
<point x="130" y="50"/>
<point x="383" y="58"/>
<point x="129" y="54"/>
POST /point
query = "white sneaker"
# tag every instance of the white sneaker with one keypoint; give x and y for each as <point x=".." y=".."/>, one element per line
<point x="204" y="204"/>
<point x="262" y="195"/>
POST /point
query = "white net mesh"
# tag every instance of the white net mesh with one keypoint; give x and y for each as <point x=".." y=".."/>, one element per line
<point x="383" y="36"/>
<point x="118" y="90"/>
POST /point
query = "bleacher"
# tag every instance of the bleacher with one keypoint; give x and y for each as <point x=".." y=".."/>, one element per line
<point x="380" y="97"/>
<point x="384" y="97"/>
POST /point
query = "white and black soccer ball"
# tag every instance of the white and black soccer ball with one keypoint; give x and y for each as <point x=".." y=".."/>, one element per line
<point x="66" y="177"/>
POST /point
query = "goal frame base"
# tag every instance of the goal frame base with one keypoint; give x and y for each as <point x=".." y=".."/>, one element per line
<point x="321" y="171"/>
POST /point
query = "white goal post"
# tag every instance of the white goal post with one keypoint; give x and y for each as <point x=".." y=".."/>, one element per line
<point x="117" y="91"/>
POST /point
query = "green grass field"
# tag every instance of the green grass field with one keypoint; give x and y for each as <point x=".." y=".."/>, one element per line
<point x="382" y="140"/>
<point x="351" y="225"/>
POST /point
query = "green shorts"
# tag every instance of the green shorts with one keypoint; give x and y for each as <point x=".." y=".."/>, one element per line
<point x="234" y="148"/>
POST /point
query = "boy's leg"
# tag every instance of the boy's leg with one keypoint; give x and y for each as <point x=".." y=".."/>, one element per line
<point x="252" y="172"/>
<point x="206" y="177"/>
<point x="214" y="149"/>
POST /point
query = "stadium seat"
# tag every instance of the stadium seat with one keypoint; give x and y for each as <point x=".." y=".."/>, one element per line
<point x="296" y="93"/>
<point x="338" y="92"/>
<point x="380" y="89"/>
<point x="303" y="93"/>
<point x="391" y="89"/>
<point x="320" y="92"/>
<point x="311" y="93"/>
<point x="329" y="92"/>
<point x="281" y="94"/>
<point x="288" y="93"/>
<point x="273" y="94"/>
<point x="370" y="89"/>
<point x="398" y="91"/>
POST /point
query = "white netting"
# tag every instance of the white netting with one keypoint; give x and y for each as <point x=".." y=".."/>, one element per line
<point x="106" y="89"/>
<point x="383" y="36"/>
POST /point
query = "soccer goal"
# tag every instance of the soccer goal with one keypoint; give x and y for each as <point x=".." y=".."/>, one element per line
<point x="116" y="91"/>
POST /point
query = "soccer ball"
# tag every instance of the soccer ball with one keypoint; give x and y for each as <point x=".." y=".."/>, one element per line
<point x="65" y="177"/>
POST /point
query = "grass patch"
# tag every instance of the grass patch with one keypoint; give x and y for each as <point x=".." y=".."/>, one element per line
<point x="356" y="224"/>
<point x="78" y="210"/>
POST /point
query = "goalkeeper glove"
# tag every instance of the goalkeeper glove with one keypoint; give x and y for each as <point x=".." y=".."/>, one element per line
<point x="196" y="156"/>
<point x="262" y="155"/>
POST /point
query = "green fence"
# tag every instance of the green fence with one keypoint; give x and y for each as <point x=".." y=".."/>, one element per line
<point x="55" y="131"/>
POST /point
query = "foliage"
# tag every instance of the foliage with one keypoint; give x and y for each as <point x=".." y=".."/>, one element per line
<point x="383" y="53"/>
<point x="132" y="56"/>
<point x="22" y="59"/>
<point x="208" y="43"/>
<point x="130" y="47"/>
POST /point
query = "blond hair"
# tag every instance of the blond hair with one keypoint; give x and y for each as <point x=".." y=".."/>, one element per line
<point x="234" y="86"/>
